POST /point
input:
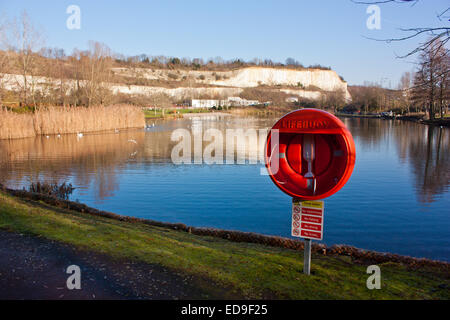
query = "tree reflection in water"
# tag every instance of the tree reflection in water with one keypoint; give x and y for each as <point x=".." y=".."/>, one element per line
<point x="427" y="149"/>
<point x="95" y="161"/>
<point x="91" y="160"/>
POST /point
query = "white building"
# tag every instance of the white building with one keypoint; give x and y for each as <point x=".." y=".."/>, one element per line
<point x="237" y="101"/>
<point x="207" y="103"/>
<point x="292" y="99"/>
<point x="229" y="102"/>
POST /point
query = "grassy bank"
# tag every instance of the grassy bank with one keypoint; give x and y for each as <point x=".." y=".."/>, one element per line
<point x="173" y="113"/>
<point x="260" y="111"/>
<point x="350" y="115"/>
<point x="251" y="270"/>
<point x="60" y="120"/>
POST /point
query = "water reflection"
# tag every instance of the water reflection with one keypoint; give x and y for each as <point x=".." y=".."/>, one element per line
<point x="91" y="160"/>
<point x="97" y="160"/>
<point x="424" y="148"/>
<point x="370" y="132"/>
<point x="401" y="176"/>
<point x="427" y="150"/>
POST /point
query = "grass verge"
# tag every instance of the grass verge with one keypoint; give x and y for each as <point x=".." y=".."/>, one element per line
<point x="250" y="270"/>
<point x="173" y="113"/>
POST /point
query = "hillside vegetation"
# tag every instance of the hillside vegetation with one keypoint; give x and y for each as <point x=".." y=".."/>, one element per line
<point x="98" y="76"/>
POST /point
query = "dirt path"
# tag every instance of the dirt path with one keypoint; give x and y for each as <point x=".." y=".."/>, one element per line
<point x="35" y="268"/>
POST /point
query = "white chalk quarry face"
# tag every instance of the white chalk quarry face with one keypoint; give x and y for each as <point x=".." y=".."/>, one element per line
<point x="231" y="83"/>
<point x="326" y="80"/>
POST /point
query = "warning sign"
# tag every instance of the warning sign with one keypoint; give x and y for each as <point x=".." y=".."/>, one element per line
<point x="307" y="219"/>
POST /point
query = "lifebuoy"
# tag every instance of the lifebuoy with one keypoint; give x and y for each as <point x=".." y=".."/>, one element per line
<point x="334" y="154"/>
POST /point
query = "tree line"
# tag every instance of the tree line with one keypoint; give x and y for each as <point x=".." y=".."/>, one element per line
<point x="426" y="89"/>
<point x="431" y="82"/>
<point x="85" y="77"/>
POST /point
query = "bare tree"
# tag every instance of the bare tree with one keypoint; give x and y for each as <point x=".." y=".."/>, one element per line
<point x="63" y="86"/>
<point x="405" y="89"/>
<point x="24" y="39"/>
<point x="161" y="100"/>
<point x="443" y="95"/>
<point x="335" y="99"/>
<point x="3" y="60"/>
<point x="373" y="97"/>
<point x="441" y="33"/>
<point x="96" y="71"/>
<point x="431" y="78"/>
<point x="55" y="68"/>
<point x="75" y="73"/>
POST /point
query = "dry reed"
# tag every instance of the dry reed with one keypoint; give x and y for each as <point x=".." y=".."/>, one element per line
<point x="60" y="120"/>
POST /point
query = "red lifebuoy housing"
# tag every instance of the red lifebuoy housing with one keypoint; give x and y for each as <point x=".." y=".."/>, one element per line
<point x="315" y="154"/>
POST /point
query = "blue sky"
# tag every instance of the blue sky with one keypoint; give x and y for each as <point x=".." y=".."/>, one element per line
<point x="328" y="32"/>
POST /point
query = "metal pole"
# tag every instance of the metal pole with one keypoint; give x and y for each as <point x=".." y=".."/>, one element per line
<point x="307" y="258"/>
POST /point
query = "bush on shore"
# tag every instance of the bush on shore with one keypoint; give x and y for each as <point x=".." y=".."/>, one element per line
<point x="60" y="191"/>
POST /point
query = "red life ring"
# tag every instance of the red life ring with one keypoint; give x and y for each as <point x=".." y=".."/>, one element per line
<point x="334" y="154"/>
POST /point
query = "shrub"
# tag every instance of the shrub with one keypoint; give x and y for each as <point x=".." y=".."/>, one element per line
<point x="62" y="191"/>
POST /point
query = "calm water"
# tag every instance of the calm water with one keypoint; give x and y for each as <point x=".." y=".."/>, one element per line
<point x="397" y="199"/>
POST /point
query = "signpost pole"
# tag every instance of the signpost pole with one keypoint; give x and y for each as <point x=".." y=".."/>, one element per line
<point x="307" y="258"/>
<point x="309" y="135"/>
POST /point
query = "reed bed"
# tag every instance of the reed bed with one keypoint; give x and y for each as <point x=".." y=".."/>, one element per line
<point x="60" y="120"/>
<point x="16" y="125"/>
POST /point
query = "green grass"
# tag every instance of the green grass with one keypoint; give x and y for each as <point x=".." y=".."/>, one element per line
<point x="249" y="270"/>
<point x="151" y="114"/>
<point x="22" y="109"/>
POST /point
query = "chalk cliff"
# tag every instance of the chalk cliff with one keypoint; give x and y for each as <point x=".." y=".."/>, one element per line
<point x="305" y="83"/>
<point x="308" y="83"/>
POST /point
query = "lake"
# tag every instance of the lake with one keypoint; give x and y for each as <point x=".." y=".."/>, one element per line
<point x="397" y="199"/>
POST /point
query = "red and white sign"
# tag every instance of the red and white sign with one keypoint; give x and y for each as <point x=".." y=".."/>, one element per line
<point x="307" y="219"/>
